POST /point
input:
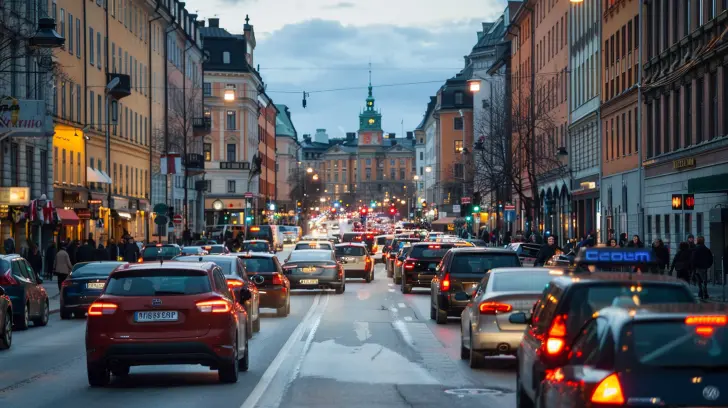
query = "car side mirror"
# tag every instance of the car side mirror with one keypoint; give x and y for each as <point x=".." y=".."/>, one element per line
<point x="245" y="295"/>
<point x="519" y="318"/>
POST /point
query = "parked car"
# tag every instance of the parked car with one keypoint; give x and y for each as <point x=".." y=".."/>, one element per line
<point x="25" y="290"/>
<point x="6" y="320"/>
<point x="84" y="285"/>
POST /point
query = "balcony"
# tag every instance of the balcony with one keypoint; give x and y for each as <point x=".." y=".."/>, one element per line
<point x="194" y="163"/>
<point x="123" y="88"/>
<point x="201" y="126"/>
<point x="234" y="165"/>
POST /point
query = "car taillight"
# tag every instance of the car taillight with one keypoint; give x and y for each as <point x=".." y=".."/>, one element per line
<point x="557" y="334"/>
<point x="232" y="283"/>
<point x="102" y="308"/>
<point x="7" y="279"/>
<point x="399" y="263"/>
<point x="445" y="283"/>
<point x="375" y="248"/>
<point x="289" y="267"/>
<point x="213" y="306"/>
<point x="140" y="260"/>
<point x="609" y="391"/>
<point x="494" y="307"/>
<point x="368" y="260"/>
<point x="409" y="264"/>
<point x="277" y="279"/>
<point x="66" y="283"/>
<point x="329" y="266"/>
<point x="705" y="325"/>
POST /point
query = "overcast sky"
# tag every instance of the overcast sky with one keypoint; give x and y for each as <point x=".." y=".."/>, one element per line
<point x="324" y="47"/>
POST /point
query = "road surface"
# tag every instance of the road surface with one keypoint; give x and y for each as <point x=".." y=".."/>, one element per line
<point x="370" y="347"/>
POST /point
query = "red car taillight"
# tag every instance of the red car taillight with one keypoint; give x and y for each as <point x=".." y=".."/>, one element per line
<point x="409" y="264"/>
<point x="445" y="283"/>
<point x="213" y="306"/>
<point x="494" y="307"/>
<point x="556" y="340"/>
<point x="232" y="283"/>
<point x="7" y="279"/>
<point x="66" y="283"/>
<point x="277" y="280"/>
<point x="608" y="392"/>
<point x="102" y="308"/>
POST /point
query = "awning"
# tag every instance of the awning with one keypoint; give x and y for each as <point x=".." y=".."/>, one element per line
<point x="124" y="214"/>
<point x="67" y="217"/>
<point x="106" y="176"/>
<point x="709" y="184"/>
<point x="96" y="176"/>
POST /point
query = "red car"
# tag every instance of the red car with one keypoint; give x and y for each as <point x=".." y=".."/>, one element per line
<point x="166" y="313"/>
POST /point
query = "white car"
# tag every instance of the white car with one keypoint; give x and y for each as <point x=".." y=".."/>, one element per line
<point x="334" y="227"/>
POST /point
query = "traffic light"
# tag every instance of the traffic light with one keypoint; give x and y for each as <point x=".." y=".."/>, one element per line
<point x="677" y="202"/>
<point x="476" y="209"/>
<point x="298" y="203"/>
<point x="688" y="201"/>
<point x="424" y="204"/>
<point x="333" y="209"/>
<point x="392" y="210"/>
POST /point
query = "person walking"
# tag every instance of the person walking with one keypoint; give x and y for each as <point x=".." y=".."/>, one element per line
<point x="86" y="253"/>
<point x="702" y="260"/>
<point x="131" y="251"/>
<point x="62" y="266"/>
<point x="662" y="255"/>
<point x="636" y="242"/>
<point x="101" y="253"/>
<point x="35" y="259"/>
<point x="681" y="263"/>
<point x="547" y="251"/>
<point x="50" y="259"/>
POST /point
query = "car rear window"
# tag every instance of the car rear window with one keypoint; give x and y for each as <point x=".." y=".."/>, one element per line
<point x="4" y="265"/>
<point x="256" y="246"/>
<point x="520" y="281"/>
<point x="254" y="265"/>
<point x="302" y="256"/>
<point x="317" y="245"/>
<point x="225" y="264"/>
<point x="166" y="252"/>
<point x="478" y="263"/>
<point x="587" y="299"/>
<point x="160" y="282"/>
<point x="529" y="251"/>
<point x="350" y="251"/>
<point x="84" y="270"/>
<point x="192" y="250"/>
<point x="352" y="238"/>
<point x="429" y="251"/>
<point x="675" y="344"/>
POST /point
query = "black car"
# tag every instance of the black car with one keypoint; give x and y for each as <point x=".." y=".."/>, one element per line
<point x="672" y="353"/>
<point x="392" y="253"/>
<point x="567" y="303"/>
<point x="460" y="272"/>
<point x="237" y="280"/>
<point x="84" y="285"/>
<point x="416" y="267"/>
<point x="164" y="252"/>
<point x="256" y="245"/>
<point x="273" y="287"/>
<point x="315" y="269"/>
<point x="6" y="320"/>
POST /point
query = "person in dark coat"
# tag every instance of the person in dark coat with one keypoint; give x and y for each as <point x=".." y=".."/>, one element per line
<point x="35" y="258"/>
<point x="86" y="253"/>
<point x="50" y="259"/>
<point x="702" y="260"/>
<point x="9" y="245"/>
<point x="623" y="240"/>
<point x="662" y="254"/>
<point x="547" y="251"/>
<point x="131" y="251"/>
<point x="636" y="242"/>
<point x="91" y="240"/>
<point x="681" y="263"/>
<point x="72" y="249"/>
<point x="112" y="249"/>
<point x="101" y="253"/>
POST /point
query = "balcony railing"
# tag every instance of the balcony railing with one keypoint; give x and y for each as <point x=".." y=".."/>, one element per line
<point x="194" y="161"/>
<point x="201" y="126"/>
<point x="235" y="165"/>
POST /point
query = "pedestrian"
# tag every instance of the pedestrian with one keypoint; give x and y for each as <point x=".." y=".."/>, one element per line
<point x="613" y="243"/>
<point x="662" y="255"/>
<point x="9" y="246"/>
<point x="50" y="259"/>
<point x="636" y="242"/>
<point x="86" y="253"/>
<point x="101" y="253"/>
<point x="62" y="266"/>
<point x="702" y="260"/>
<point x="72" y="248"/>
<point x="681" y="263"/>
<point x="35" y="259"/>
<point x="131" y="251"/>
<point x="623" y="240"/>
<point x="113" y="250"/>
<point x="91" y="240"/>
<point x="546" y="252"/>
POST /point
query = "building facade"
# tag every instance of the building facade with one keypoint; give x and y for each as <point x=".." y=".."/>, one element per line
<point x="287" y="159"/>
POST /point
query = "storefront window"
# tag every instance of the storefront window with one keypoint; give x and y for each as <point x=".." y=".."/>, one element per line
<point x="63" y="166"/>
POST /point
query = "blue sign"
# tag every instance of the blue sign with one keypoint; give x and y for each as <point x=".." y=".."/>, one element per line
<point x="615" y="256"/>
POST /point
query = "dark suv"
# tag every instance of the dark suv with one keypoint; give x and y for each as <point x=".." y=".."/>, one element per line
<point x="460" y="271"/>
<point x="419" y="265"/>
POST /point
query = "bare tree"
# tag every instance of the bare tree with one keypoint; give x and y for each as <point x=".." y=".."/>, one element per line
<point x="521" y="160"/>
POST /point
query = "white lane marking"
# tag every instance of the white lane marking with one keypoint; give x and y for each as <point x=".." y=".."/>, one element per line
<point x="390" y="284"/>
<point x="306" y="347"/>
<point x="394" y="310"/>
<point x="362" y="331"/>
<point x="275" y="365"/>
<point x="408" y="318"/>
<point x="402" y="329"/>
<point x="401" y="305"/>
<point x="391" y="290"/>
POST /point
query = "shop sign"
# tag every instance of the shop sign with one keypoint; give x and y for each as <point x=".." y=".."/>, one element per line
<point x="71" y="197"/>
<point x="685" y="163"/>
<point x="18" y="196"/>
<point x="83" y="213"/>
<point x="119" y="203"/>
<point x="133" y="205"/>
<point x="22" y="117"/>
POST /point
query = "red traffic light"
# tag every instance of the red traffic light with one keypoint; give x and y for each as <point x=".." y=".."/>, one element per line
<point x="689" y="201"/>
<point x="333" y="209"/>
<point x="392" y="210"/>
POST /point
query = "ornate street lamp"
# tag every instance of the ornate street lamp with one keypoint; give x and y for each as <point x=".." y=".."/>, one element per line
<point x="46" y="36"/>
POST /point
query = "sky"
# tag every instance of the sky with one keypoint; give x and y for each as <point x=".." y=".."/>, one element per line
<point x="324" y="48"/>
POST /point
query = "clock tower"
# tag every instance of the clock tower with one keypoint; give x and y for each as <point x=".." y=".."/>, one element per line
<point x="370" y="121"/>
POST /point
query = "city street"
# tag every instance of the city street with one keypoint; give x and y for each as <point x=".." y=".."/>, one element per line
<point x="369" y="347"/>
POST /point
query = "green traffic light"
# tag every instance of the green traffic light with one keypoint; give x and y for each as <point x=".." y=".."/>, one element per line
<point x="476" y="209"/>
<point x="468" y="218"/>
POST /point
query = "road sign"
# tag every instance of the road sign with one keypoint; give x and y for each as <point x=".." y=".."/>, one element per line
<point x="160" y="220"/>
<point x="248" y="195"/>
<point x="177" y="219"/>
<point x="465" y="200"/>
<point x="510" y="208"/>
<point x="160" y="208"/>
<point x="456" y="208"/>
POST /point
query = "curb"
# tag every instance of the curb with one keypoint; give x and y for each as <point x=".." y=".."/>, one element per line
<point x="54" y="311"/>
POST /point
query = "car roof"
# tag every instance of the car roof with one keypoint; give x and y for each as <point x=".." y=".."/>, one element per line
<point x="212" y="257"/>
<point x="474" y="249"/>
<point x="662" y="311"/>
<point x="569" y="279"/>
<point x="251" y="254"/>
<point x="200" y="266"/>
<point x="553" y="271"/>
<point x="344" y="244"/>
<point x="248" y="241"/>
<point x="311" y="251"/>
<point x="311" y="241"/>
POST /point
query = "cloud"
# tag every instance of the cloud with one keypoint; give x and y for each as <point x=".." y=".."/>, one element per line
<point x="341" y="5"/>
<point x="330" y="60"/>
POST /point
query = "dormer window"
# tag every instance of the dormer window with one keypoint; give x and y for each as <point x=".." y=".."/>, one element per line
<point x="226" y="57"/>
<point x="458" y="98"/>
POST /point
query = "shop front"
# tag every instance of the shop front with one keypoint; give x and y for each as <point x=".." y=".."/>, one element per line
<point x="222" y="211"/>
<point x="585" y="208"/>
<point x="13" y="213"/>
<point x="127" y="219"/>
<point x="67" y="202"/>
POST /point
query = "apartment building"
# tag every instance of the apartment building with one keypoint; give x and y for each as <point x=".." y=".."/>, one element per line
<point x="287" y="164"/>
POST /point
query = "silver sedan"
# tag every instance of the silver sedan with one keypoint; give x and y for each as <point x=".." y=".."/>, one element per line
<point x="356" y="260"/>
<point x="485" y="329"/>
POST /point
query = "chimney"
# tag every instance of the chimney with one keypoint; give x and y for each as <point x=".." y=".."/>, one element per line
<point x="200" y="23"/>
<point x="350" y="136"/>
<point x="410" y="135"/>
<point x="214" y="22"/>
<point x="307" y="138"/>
<point x="392" y="136"/>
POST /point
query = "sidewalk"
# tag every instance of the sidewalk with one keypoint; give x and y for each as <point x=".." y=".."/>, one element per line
<point x="715" y="292"/>
<point x="54" y="296"/>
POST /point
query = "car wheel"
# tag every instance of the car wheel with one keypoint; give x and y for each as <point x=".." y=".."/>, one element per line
<point x="433" y="314"/>
<point x="66" y="315"/>
<point x="464" y="352"/>
<point x="24" y="320"/>
<point x="45" y="314"/>
<point x="256" y="325"/>
<point x="441" y="316"/>
<point x="397" y="280"/>
<point x="244" y="362"/>
<point x="98" y="374"/>
<point x="6" y="339"/>
<point x="228" y="371"/>
<point x="368" y="278"/>
<point x="121" y="371"/>
<point x="476" y="359"/>
<point x="340" y="289"/>
<point x="282" y="311"/>
<point x="522" y="400"/>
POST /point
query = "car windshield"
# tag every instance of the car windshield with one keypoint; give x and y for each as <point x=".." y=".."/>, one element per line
<point x="588" y="299"/>
<point x="254" y="265"/>
<point x="478" y="263"/>
<point x="165" y="252"/>
<point x="87" y="269"/>
<point x="256" y="247"/>
<point x="215" y="249"/>
<point x="158" y="282"/>
<point x="429" y="251"/>
<point x="676" y="344"/>
<point x="225" y="263"/>
<point x="525" y="281"/>
<point x="313" y="256"/>
<point x="350" y="251"/>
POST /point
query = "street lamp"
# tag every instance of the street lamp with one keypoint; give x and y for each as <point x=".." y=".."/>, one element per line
<point x="46" y="36"/>
<point x="473" y="85"/>
<point x="315" y="177"/>
<point x="309" y="170"/>
<point x="428" y="169"/>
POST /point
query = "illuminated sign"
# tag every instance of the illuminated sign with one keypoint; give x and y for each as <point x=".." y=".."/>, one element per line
<point x="688" y="201"/>
<point x="677" y="202"/>
<point x="615" y="256"/>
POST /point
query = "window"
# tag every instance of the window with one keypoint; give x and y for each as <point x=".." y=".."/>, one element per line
<point x="92" y="101"/>
<point x="70" y="167"/>
<point x="226" y="57"/>
<point x="62" y="19"/>
<point x="676" y="100"/>
<point x="78" y="168"/>
<point x="78" y="38"/>
<point x="99" y="120"/>
<point x="231" y="186"/>
<point x="699" y="111"/>
<point x="458" y="98"/>
<point x="458" y="123"/>
<point x="699" y="223"/>
<point x="71" y="90"/>
<point x="98" y="49"/>
<point x="63" y="100"/>
<point x="43" y="171"/>
<point x="14" y="164"/>
<point x="207" y="89"/>
<point x="113" y="57"/>
<point x="713" y="113"/>
<point x="688" y="121"/>
<point x="688" y="223"/>
<point x="458" y="146"/>
<point x="30" y="165"/>
<point x="231" y="152"/>
<point x="70" y="34"/>
<point x="63" y="166"/>
<point x="91" y="45"/>
<point x="230" y="123"/>
<point x="78" y="103"/>
<point x="207" y="150"/>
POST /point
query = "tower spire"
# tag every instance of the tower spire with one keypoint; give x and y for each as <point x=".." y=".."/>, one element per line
<point x="370" y="78"/>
